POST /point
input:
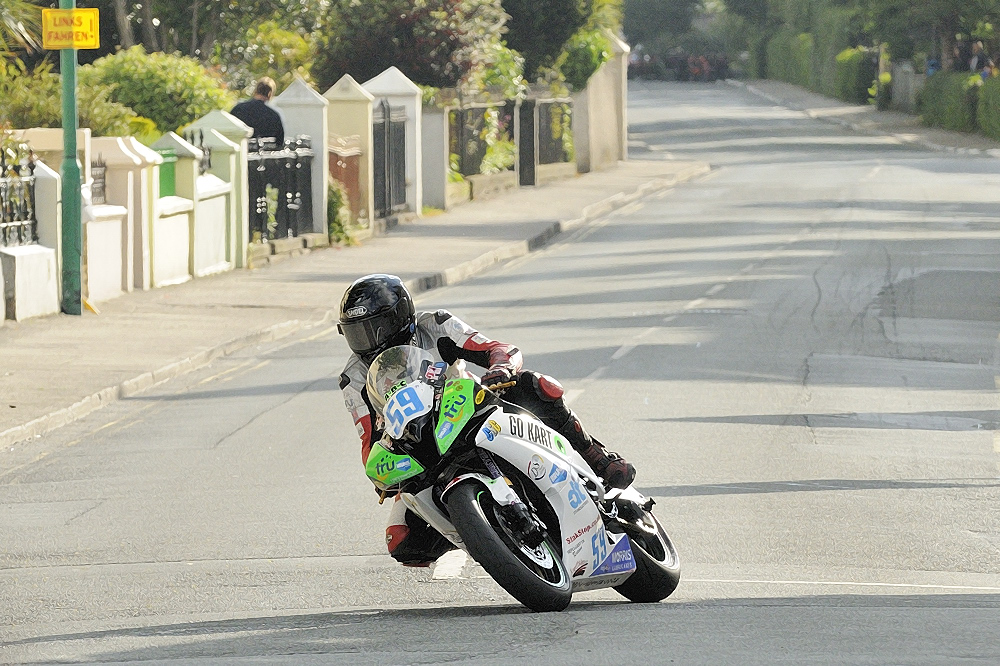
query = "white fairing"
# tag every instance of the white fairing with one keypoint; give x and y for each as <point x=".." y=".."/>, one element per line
<point x="594" y="557"/>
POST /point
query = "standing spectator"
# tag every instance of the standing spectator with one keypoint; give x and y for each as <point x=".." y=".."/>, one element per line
<point x="978" y="58"/>
<point x="255" y="112"/>
<point x="960" y="57"/>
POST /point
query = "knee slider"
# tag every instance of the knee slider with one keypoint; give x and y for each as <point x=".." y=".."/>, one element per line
<point x="547" y="388"/>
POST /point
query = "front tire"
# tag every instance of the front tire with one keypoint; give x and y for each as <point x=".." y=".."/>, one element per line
<point x="657" y="566"/>
<point x="536" y="577"/>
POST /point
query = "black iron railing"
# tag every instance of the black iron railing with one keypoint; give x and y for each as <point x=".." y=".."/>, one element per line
<point x="18" y="225"/>
<point x="280" y="180"/>
<point x="205" y="163"/>
<point x="555" y="132"/>
<point x="389" y="158"/>
<point x="99" y="181"/>
<point x="481" y="138"/>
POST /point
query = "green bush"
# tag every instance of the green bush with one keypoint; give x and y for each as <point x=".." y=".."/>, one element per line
<point x="583" y="55"/>
<point x="949" y="100"/>
<point x="33" y="98"/>
<point x="855" y="72"/>
<point x="988" y="114"/>
<point x="790" y="57"/>
<point x="338" y="212"/>
<point x="880" y="91"/>
<point x="170" y="90"/>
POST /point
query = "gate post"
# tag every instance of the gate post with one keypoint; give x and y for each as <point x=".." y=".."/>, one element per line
<point x="350" y="115"/>
<point x="400" y="91"/>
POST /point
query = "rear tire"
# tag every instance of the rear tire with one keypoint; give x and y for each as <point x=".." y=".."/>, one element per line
<point x="657" y="566"/>
<point x="536" y="577"/>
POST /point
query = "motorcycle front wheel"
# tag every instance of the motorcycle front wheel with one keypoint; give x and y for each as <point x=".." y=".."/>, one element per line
<point x="536" y="577"/>
<point x="657" y="566"/>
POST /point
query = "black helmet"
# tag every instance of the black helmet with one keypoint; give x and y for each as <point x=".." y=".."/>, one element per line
<point x="376" y="313"/>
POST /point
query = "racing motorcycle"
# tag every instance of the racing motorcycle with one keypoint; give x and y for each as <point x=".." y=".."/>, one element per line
<point x="508" y="490"/>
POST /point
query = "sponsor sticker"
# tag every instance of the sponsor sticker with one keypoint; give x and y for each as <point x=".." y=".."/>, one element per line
<point x="557" y="475"/>
<point x="480" y="397"/>
<point x="619" y="560"/>
<point x="536" y="468"/>
<point x="359" y="311"/>
<point x="403" y="465"/>
<point x="491" y="430"/>
<point x="445" y="429"/>
<point x="579" y="569"/>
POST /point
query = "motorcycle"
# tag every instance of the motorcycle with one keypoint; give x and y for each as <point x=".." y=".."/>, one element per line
<point x="511" y="492"/>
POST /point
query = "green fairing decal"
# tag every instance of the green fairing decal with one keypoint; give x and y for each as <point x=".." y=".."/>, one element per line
<point x="457" y="408"/>
<point x="387" y="469"/>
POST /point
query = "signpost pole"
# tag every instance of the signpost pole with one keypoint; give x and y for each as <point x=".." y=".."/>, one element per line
<point x="72" y="227"/>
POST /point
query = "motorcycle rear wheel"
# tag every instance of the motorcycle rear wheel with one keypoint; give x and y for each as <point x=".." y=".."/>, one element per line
<point x="536" y="577"/>
<point x="657" y="566"/>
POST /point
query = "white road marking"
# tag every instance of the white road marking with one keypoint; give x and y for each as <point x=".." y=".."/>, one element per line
<point x="450" y="565"/>
<point x="844" y="583"/>
<point x="629" y="346"/>
<point x="714" y="290"/>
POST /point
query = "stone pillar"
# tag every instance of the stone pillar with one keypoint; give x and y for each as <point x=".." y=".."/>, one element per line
<point x="48" y="211"/>
<point x="435" y="156"/>
<point x="145" y="197"/>
<point x="237" y="132"/>
<point x="350" y="115"/>
<point x="619" y="56"/>
<point x="305" y="112"/>
<point x="393" y="85"/>
<point x="120" y="183"/>
<point x="185" y="187"/>
<point x="227" y="166"/>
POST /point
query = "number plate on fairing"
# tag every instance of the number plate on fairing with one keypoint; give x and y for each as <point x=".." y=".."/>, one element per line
<point x="405" y="405"/>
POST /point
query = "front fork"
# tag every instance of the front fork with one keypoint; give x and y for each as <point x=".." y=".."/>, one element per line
<point x="515" y="513"/>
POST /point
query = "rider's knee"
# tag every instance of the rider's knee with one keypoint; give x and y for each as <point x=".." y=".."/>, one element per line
<point x="546" y="388"/>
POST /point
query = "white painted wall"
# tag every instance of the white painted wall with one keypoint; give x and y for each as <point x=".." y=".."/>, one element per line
<point x="30" y="282"/>
<point x="171" y="241"/>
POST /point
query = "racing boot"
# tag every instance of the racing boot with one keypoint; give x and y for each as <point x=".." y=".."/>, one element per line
<point x="615" y="470"/>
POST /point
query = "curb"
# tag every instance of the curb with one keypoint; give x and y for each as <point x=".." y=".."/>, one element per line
<point x="45" y="424"/>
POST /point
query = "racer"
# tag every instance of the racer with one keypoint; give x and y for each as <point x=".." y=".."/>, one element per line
<point x="376" y="313"/>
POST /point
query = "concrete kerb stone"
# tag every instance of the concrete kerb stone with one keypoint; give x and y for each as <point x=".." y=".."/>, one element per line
<point x="450" y="276"/>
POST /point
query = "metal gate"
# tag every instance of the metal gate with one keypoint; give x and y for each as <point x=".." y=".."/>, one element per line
<point x="389" y="153"/>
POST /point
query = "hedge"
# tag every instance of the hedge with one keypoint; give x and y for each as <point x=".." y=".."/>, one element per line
<point x="989" y="108"/>
<point x="949" y="100"/>
<point x="854" y="75"/>
<point x="789" y="58"/>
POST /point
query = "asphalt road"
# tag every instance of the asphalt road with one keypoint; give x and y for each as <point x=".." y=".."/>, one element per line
<point x="798" y="352"/>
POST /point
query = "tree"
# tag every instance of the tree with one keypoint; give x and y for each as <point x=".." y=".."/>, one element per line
<point x="650" y="20"/>
<point x="538" y="29"/>
<point x="19" y="23"/>
<point x="195" y="28"/>
<point x="437" y="43"/>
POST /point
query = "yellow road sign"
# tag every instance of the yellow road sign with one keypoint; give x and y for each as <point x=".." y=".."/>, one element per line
<point x="71" y="29"/>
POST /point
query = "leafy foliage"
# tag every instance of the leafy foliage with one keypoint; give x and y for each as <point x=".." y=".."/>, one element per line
<point x="266" y="50"/>
<point x="538" y="29"/>
<point x="949" y="100"/>
<point x="855" y="71"/>
<point x="988" y="114"/>
<point x="646" y="20"/>
<point x="19" y="25"/>
<point x="585" y="52"/>
<point x="33" y="98"/>
<point x="170" y="90"/>
<point x="436" y="43"/>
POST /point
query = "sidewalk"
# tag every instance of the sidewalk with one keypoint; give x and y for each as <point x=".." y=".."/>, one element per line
<point x="868" y="120"/>
<point x="56" y="369"/>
